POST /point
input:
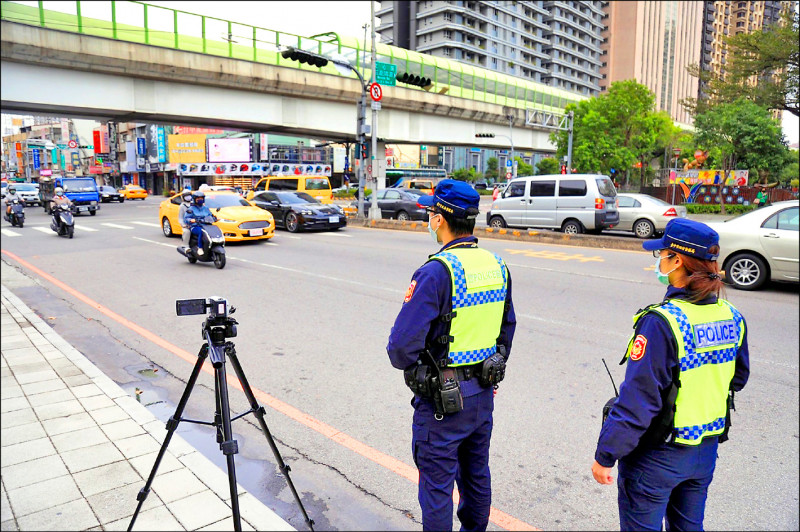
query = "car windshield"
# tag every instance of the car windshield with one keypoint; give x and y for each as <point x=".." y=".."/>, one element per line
<point x="415" y="192"/>
<point x="225" y="200"/>
<point x="80" y="185"/>
<point x="107" y="189"/>
<point x="317" y="184"/>
<point x="26" y="187"/>
<point x="606" y="187"/>
<point x="296" y="197"/>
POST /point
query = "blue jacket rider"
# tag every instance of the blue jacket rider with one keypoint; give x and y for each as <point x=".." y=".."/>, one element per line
<point x="198" y="210"/>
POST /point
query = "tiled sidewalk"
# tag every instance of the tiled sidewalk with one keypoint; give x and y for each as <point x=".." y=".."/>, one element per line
<point x="76" y="448"/>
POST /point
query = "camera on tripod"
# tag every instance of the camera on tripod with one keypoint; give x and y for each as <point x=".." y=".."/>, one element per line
<point x="217" y="307"/>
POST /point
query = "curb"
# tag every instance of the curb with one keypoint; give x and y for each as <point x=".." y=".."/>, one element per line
<point x="519" y="235"/>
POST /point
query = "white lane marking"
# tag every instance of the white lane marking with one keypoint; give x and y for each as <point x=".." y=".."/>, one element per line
<point x="147" y="224"/>
<point x="292" y="237"/>
<point x="154" y="242"/>
<point x="84" y="228"/>
<point x="9" y="232"/>
<point x="44" y="229"/>
<point x="582" y="274"/>
<point x="330" y="233"/>
<point x="116" y="226"/>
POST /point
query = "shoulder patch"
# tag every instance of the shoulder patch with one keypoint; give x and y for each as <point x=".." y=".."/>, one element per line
<point x="410" y="291"/>
<point x="638" y="349"/>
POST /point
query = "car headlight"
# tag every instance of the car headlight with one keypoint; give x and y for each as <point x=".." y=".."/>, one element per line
<point x="307" y="212"/>
<point x="105" y="195"/>
<point x="226" y="221"/>
<point x="93" y="203"/>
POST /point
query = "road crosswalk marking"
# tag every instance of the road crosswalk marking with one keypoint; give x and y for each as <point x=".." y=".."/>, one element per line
<point x="116" y="226"/>
<point x="9" y="232"/>
<point x="147" y="224"/>
<point x="44" y="229"/>
<point x="84" y="228"/>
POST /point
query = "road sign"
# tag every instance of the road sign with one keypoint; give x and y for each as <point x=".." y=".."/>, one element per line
<point x="509" y="163"/>
<point x="72" y="144"/>
<point x="376" y="106"/>
<point x="376" y="92"/>
<point x="385" y="74"/>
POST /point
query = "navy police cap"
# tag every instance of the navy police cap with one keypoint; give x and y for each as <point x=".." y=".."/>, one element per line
<point x="687" y="237"/>
<point x="453" y="197"/>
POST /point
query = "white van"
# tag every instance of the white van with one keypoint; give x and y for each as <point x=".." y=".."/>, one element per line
<point x="573" y="203"/>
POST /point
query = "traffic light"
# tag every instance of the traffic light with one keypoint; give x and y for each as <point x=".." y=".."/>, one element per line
<point x="363" y="151"/>
<point x="304" y="57"/>
<point x="485" y="135"/>
<point x="411" y="79"/>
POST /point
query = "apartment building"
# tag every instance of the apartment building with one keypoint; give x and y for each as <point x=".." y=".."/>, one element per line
<point x="557" y="43"/>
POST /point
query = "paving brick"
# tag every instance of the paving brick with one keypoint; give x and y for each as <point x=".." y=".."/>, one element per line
<point x="29" y="499"/>
<point x="226" y="525"/>
<point x="87" y="390"/>
<point x="125" y="428"/>
<point x="37" y="376"/>
<point x="144" y="464"/>
<point x="199" y="510"/>
<point x="29" y="450"/>
<point x="29" y="367"/>
<point x="8" y="525"/>
<point x="56" y="396"/>
<point x="33" y="471"/>
<point x="21" y="433"/>
<point x="177" y="485"/>
<point x="43" y="386"/>
<point x="107" y="415"/>
<point x="120" y="503"/>
<point x="7" y="392"/>
<point x="96" y="402"/>
<point x="14" y="403"/>
<point x="74" y="515"/>
<point x="137" y="445"/>
<point x="155" y="519"/>
<point x="5" y="508"/>
<point x="61" y="425"/>
<point x="18" y="417"/>
<point x="62" y="409"/>
<point x="77" y="380"/>
<point x="93" y="456"/>
<point x="77" y="439"/>
<point x="104" y="478"/>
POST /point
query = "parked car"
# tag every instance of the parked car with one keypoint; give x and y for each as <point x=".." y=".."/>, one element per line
<point x="238" y="219"/>
<point x="108" y="194"/>
<point x="397" y="203"/>
<point x="573" y="203"/>
<point x="481" y="185"/>
<point x="645" y="215"/>
<point x="760" y="245"/>
<point x="133" y="192"/>
<point x="29" y="192"/>
<point x="298" y="211"/>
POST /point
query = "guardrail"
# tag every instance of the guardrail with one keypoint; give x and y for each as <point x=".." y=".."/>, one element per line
<point x="143" y="23"/>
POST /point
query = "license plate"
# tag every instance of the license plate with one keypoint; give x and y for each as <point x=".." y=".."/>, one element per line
<point x="334" y="219"/>
<point x="83" y="209"/>
<point x="256" y="232"/>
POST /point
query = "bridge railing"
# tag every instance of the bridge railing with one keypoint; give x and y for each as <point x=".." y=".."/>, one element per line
<point x="143" y="23"/>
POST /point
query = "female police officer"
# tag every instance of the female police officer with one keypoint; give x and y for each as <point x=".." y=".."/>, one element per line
<point x="457" y="313"/>
<point x="686" y="354"/>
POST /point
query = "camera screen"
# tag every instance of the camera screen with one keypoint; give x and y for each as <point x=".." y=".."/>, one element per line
<point x="221" y="308"/>
<point x="189" y="307"/>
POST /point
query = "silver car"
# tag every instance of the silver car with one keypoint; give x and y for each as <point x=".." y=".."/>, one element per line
<point x="645" y="215"/>
<point x="760" y="245"/>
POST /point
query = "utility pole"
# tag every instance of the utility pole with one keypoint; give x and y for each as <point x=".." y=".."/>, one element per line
<point x="511" y="140"/>
<point x="374" y="211"/>
<point x="569" y="143"/>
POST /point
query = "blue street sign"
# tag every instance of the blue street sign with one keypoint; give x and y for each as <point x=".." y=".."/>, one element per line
<point x="36" y="161"/>
<point x="508" y="163"/>
<point x="141" y="146"/>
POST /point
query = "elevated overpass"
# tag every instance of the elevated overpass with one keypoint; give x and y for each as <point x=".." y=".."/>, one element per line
<point x="72" y="71"/>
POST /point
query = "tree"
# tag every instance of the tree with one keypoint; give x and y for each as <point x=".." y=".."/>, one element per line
<point x="523" y="168"/>
<point x="491" y="167"/>
<point x="548" y="166"/>
<point x="763" y="67"/>
<point x="791" y="168"/>
<point x="616" y="129"/>
<point x="742" y="135"/>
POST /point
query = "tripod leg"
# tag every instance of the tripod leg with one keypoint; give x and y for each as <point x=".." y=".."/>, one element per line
<point x="258" y="410"/>
<point x="172" y="425"/>
<point x="229" y="446"/>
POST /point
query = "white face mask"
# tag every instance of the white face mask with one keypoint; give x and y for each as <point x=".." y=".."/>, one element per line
<point x="432" y="232"/>
<point x="663" y="278"/>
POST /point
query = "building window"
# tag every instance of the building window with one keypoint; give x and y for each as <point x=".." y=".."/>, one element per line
<point x="448" y="34"/>
<point x="447" y="52"/>
<point x="740" y="24"/>
<point x="448" y="16"/>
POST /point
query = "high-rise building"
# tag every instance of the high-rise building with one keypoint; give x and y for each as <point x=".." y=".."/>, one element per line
<point x="552" y="42"/>
<point x="653" y="42"/>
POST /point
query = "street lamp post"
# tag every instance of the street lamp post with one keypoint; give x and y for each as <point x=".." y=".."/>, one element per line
<point x="511" y="141"/>
<point x="374" y="211"/>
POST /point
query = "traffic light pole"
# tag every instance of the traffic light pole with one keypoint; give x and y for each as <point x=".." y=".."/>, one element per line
<point x="569" y="142"/>
<point x="374" y="211"/>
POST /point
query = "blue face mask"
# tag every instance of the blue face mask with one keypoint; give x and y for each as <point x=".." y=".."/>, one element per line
<point x="663" y="278"/>
<point x="199" y="202"/>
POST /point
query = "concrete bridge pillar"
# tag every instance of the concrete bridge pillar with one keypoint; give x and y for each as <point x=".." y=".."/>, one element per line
<point x="379" y="170"/>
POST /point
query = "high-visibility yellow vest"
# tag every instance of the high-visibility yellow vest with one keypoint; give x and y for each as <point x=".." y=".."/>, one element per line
<point x="479" y="284"/>
<point x="708" y="338"/>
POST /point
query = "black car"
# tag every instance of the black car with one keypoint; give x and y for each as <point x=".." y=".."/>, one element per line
<point x="398" y="203"/>
<point x="297" y="211"/>
<point x="108" y="194"/>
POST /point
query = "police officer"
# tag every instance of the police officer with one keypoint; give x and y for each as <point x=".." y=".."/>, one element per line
<point x="453" y="332"/>
<point x="686" y="357"/>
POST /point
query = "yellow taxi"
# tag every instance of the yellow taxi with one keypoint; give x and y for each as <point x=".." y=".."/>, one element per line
<point x="133" y="192"/>
<point x="238" y="219"/>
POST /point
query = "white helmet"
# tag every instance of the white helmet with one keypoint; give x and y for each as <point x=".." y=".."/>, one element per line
<point x="186" y="195"/>
<point x="59" y="191"/>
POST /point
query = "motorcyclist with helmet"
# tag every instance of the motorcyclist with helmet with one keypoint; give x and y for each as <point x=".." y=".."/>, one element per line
<point x="10" y="197"/>
<point x="197" y="211"/>
<point x="57" y="200"/>
<point x="186" y="196"/>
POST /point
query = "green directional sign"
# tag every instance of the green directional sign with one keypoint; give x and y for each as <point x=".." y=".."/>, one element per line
<point x="385" y="74"/>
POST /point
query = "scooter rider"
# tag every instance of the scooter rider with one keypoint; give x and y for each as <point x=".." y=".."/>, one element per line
<point x="59" y="199"/>
<point x="197" y="211"/>
<point x="10" y="197"/>
<point x="186" y="195"/>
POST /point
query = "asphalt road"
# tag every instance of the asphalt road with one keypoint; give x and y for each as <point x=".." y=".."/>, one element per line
<point x="314" y="312"/>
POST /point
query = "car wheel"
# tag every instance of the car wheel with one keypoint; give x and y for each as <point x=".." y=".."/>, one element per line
<point x="746" y="271"/>
<point x="644" y="228"/>
<point x="291" y="223"/>
<point x="497" y="222"/>
<point x="93" y="213"/>
<point x="121" y="200"/>
<point x="403" y="216"/>
<point x="572" y="227"/>
<point x="166" y="227"/>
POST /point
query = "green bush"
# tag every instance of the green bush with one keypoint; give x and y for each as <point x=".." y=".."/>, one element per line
<point x="701" y="208"/>
<point x="487" y="192"/>
<point x="548" y="166"/>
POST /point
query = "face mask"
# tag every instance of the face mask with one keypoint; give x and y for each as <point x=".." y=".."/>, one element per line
<point x="200" y="203"/>
<point x="434" y="237"/>
<point x="663" y="278"/>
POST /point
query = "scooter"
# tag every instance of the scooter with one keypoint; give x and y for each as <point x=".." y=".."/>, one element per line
<point x="206" y="244"/>
<point x="63" y="223"/>
<point x="17" y="214"/>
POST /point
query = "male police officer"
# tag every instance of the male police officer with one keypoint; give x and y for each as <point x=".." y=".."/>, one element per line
<point x="452" y="338"/>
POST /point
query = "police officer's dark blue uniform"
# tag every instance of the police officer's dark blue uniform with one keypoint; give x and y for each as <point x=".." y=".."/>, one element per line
<point x="456" y="447"/>
<point x="661" y="481"/>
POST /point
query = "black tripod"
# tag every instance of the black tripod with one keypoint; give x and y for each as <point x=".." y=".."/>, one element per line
<point x="215" y="330"/>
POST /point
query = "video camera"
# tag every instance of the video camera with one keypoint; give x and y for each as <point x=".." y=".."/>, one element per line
<point x="216" y="306"/>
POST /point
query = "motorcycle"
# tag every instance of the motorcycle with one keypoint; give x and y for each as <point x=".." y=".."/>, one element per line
<point x="17" y="214"/>
<point x="63" y="223"/>
<point x="207" y="244"/>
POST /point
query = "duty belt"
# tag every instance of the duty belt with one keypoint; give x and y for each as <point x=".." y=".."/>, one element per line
<point x="466" y="373"/>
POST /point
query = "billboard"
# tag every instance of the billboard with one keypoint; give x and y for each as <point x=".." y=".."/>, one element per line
<point x="156" y="141"/>
<point x="229" y="150"/>
<point x="187" y="148"/>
